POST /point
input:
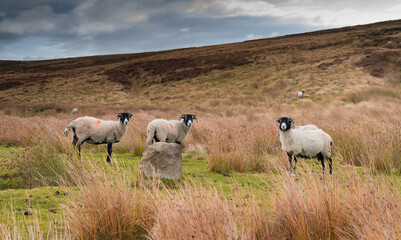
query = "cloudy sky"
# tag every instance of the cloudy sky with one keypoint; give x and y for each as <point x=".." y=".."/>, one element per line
<point x="45" y="29"/>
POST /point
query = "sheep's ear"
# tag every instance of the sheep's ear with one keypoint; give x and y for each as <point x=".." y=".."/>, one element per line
<point x="278" y="120"/>
<point x="182" y="116"/>
<point x="130" y="115"/>
<point x="119" y="115"/>
<point x="195" y="118"/>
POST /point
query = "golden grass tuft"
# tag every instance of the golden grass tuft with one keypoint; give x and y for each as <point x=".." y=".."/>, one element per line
<point x="340" y="207"/>
<point x="110" y="205"/>
<point x="193" y="212"/>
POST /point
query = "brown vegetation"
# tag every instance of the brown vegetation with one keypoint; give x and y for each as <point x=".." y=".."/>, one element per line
<point x="236" y="91"/>
<point x="376" y="62"/>
<point x="137" y="78"/>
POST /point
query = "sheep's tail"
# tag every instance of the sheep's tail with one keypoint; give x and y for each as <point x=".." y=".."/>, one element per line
<point x="67" y="129"/>
<point x="151" y="135"/>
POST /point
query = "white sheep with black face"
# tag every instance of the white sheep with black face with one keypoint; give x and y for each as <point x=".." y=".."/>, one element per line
<point x="170" y="131"/>
<point x="97" y="131"/>
<point x="304" y="143"/>
<point x="301" y="94"/>
<point x="306" y="127"/>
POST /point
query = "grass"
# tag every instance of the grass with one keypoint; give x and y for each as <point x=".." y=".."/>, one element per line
<point x="392" y="73"/>
<point x="249" y="205"/>
<point x="44" y="199"/>
<point x="235" y="182"/>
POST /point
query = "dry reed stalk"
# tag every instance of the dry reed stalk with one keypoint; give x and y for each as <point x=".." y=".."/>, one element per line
<point x="110" y="205"/>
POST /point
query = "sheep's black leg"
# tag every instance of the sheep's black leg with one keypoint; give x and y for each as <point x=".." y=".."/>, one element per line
<point x="320" y="157"/>
<point x="289" y="160"/>
<point x="330" y="164"/>
<point x="78" y="146"/>
<point x="155" y="138"/>
<point x="74" y="141"/>
<point x="109" y="150"/>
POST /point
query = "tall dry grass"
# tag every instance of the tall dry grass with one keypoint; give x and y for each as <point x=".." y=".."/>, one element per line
<point x="365" y="134"/>
<point x="307" y="207"/>
<point x="346" y="207"/>
<point x="111" y="204"/>
<point x="236" y="143"/>
<point x="47" y="159"/>
<point x="392" y="72"/>
<point x="193" y="212"/>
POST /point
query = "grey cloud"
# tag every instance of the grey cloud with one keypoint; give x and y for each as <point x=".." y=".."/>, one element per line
<point x="64" y="28"/>
<point x="36" y="20"/>
<point x="334" y="4"/>
<point x="312" y="12"/>
<point x="85" y="17"/>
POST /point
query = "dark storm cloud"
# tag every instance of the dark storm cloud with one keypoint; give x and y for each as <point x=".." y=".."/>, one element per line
<point x="79" y="17"/>
<point x="71" y="20"/>
<point x="37" y="29"/>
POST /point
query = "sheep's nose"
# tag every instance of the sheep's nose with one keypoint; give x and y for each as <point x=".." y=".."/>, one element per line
<point x="190" y="123"/>
<point x="125" y="121"/>
<point x="283" y="126"/>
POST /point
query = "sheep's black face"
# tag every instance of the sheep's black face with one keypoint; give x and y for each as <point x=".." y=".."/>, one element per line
<point x="124" y="117"/>
<point x="285" y="123"/>
<point x="188" y="119"/>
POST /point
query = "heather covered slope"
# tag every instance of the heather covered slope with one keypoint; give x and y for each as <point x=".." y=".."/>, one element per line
<point x="326" y="64"/>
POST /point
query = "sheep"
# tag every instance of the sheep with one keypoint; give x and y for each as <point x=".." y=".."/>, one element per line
<point x="304" y="143"/>
<point x="96" y="131"/>
<point x="306" y="127"/>
<point x="74" y="110"/>
<point x="301" y="94"/>
<point x="170" y="131"/>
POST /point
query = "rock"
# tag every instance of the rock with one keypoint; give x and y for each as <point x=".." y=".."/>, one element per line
<point x="162" y="160"/>
<point x="28" y="213"/>
<point x="226" y="175"/>
<point x="74" y="110"/>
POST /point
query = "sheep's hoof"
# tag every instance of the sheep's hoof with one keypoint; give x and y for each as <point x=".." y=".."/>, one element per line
<point x="108" y="160"/>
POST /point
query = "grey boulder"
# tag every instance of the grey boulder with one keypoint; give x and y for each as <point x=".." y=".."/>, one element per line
<point x="162" y="160"/>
